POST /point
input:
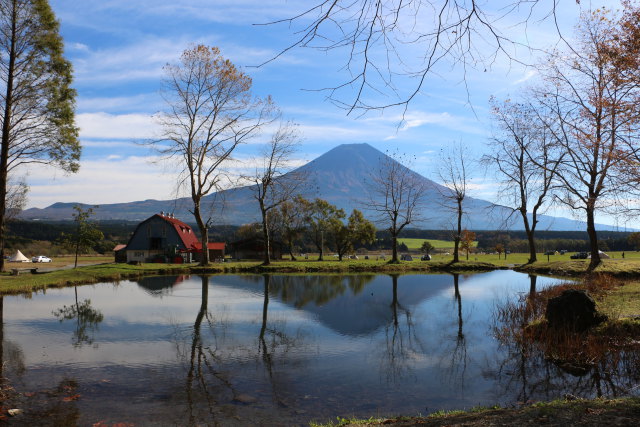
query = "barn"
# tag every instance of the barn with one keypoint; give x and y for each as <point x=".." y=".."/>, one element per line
<point x="164" y="238"/>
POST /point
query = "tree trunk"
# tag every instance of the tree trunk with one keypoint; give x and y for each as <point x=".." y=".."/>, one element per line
<point x="456" y="240"/>
<point x="530" y="237"/>
<point x="204" y="233"/>
<point x="320" y="248"/>
<point x="265" y="235"/>
<point x="6" y="126"/>
<point x="593" y="239"/>
<point x="394" y="247"/>
<point x="75" y="265"/>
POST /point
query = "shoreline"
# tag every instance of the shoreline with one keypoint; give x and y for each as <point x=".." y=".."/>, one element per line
<point x="90" y="274"/>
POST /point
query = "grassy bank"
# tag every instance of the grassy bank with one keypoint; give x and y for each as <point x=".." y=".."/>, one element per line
<point x="621" y="268"/>
<point x="595" y="412"/>
<point x="93" y="272"/>
<point x="27" y="282"/>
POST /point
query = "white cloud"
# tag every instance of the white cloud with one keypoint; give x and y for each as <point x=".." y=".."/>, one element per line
<point x="527" y="76"/>
<point x="106" y="180"/>
<point x="115" y="104"/>
<point x="117" y="126"/>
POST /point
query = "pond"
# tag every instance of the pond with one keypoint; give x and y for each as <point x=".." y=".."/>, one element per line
<point x="274" y="350"/>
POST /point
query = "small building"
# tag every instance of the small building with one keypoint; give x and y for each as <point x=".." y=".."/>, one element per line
<point x="120" y="253"/>
<point x="163" y="238"/>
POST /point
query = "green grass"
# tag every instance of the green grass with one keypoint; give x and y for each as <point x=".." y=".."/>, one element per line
<point x="622" y="302"/>
<point x="438" y="244"/>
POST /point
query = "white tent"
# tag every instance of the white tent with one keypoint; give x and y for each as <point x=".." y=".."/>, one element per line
<point x="18" y="257"/>
<point x="602" y="255"/>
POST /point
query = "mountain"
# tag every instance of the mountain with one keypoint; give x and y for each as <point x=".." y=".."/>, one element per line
<point x="341" y="176"/>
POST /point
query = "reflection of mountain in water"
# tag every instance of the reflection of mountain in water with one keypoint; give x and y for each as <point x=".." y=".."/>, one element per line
<point x="160" y="285"/>
<point x="351" y="305"/>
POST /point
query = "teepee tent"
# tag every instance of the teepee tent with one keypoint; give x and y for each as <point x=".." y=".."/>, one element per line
<point x="18" y="257"/>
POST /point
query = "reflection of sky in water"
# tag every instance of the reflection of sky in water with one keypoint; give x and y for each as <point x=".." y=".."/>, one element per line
<point x="334" y="346"/>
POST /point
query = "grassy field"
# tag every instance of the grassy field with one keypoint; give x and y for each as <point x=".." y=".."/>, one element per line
<point x="417" y="243"/>
<point x="61" y="262"/>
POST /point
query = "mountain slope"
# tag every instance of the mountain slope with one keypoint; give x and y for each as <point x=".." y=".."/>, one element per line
<point x="341" y="176"/>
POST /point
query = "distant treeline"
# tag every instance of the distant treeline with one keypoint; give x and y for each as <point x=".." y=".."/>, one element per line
<point x="516" y="241"/>
<point x="21" y="233"/>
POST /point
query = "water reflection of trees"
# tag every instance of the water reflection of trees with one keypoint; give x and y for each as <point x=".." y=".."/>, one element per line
<point x="458" y="355"/>
<point x="275" y="345"/>
<point x="316" y="289"/>
<point x="402" y="344"/>
<point x="530" y="369"/>
<point x="205" y="381"/>
<point x="210" y="383"/>
<point x="87" y="319"/>
<point x="11" y="355"/>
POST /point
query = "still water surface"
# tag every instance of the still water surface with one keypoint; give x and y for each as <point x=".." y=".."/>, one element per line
<point x="269" y="350"/>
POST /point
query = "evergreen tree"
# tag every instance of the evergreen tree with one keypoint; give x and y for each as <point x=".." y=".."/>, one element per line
<point x="37" y="103"/>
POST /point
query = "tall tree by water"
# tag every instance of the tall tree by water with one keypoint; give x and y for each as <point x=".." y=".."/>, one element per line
<point x="37" y="102"/>
<point x="84" y="236"/>
<point x="591" y="94"/>
<point x="526" y="161"/>
<point x="273" y="182"/>
<point x="396" y="197"/>
<point x="454" y="173"/>
<point x="210" y="112"/>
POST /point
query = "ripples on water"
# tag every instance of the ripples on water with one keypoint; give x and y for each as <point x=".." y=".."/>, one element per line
<point x="189" y="350"/>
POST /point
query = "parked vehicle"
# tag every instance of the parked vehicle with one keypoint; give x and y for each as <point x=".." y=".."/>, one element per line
<point x="580" y="255"/>
<point x="406" y="258"/>
<point x="40" y="258"/>
<point x="426" y="257"/>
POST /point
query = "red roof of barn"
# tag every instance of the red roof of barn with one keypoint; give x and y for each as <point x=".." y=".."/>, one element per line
<point x="188" y="236"/>
<point x="185" y="232"/>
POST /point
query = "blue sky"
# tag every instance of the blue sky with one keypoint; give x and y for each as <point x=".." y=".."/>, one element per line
<point x="118" y="49"/>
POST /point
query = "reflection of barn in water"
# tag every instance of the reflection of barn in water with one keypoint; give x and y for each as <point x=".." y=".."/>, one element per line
<point x="160" y="285"/>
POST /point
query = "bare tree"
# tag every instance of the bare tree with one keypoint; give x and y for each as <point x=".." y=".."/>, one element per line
<point x="454" y="174"/>
<point x="526" y="162"/>
<point x="37" y="101"/>
<point x="396" y="197"/>
<point x="210" y="111"/>
<point x="274" y="182"/>
<point x="374" y="35"/>
<point x="591" y="91"/>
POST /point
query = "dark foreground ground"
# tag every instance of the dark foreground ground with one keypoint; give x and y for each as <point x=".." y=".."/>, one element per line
<point x="598" y="412"/>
